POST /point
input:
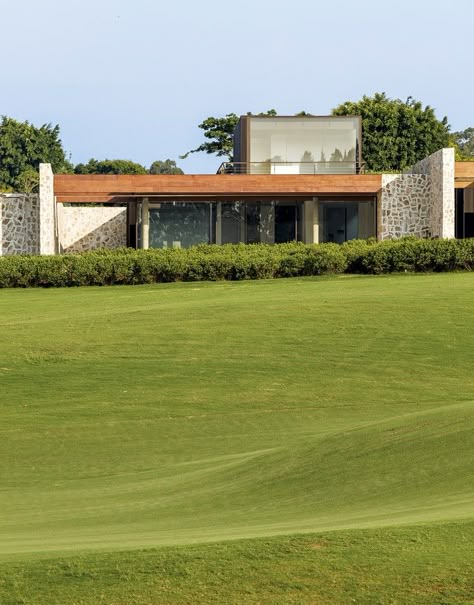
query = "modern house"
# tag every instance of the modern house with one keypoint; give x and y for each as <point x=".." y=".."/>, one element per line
<point x="293" y="178"/>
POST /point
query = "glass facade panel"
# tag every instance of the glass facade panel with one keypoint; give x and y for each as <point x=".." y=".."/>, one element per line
<point x="232" y="222"/>
<point x="464" y="213"/>
<point x="181" y="225"/>
<point x="308" y="145"/>
<point x="261" y="222"/>
<point x="343" y="221"/>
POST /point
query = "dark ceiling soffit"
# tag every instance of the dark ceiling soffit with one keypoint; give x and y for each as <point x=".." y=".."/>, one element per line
<point x="219" y="198"/>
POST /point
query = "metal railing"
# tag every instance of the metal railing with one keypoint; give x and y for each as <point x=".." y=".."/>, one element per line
<point x="342" y="167"/>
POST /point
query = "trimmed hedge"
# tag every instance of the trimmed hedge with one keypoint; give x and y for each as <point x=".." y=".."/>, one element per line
<point x="235" y="262"/>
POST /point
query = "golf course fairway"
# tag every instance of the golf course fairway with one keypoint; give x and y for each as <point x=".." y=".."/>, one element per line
<point x="310" y="438"/>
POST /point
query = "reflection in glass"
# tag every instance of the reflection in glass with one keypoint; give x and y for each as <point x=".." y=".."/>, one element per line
<point x="306" y="145"/>
<point x="261" y="222"/>
<point x="343" y="221"/>
<point x="181" y="225"/>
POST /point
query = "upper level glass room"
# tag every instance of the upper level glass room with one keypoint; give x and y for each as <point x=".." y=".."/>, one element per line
<point x="297" y="145"/>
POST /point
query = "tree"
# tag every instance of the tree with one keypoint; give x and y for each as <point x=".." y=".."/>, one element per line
<point x="336" y="156"/>
<point x="28" y="181"/>
<point x="396" y="134"/>
<point x="464" y="142"/>
<point x="110" y="167"/>
<point x="165" y="167"/>
<point x="220" y="132"/>
<point x="23" y="147"/>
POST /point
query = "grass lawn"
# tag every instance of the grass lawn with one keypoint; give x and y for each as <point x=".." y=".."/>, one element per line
<point x="336" y="411"/>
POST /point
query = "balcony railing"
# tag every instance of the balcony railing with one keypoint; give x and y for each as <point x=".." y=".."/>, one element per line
<point x="342" y="167"/>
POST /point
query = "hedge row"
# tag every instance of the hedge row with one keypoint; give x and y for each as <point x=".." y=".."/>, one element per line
<point x="235" y="262"/>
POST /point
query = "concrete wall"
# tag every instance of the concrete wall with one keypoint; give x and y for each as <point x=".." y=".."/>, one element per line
<point x="48" y="237"/>
<point x="86" y="227"/>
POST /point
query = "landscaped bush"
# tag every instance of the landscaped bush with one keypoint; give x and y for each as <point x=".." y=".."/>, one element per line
<point x="415" y="255"/>
<point x="354" y="250"/>
<point x="235" y="262"/>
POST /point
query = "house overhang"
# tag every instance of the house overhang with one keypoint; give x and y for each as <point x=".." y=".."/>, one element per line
<point x="70" y="188"/>
<point x="464" y="175"/>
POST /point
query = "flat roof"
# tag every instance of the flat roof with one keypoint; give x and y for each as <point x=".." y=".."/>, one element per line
<point x="464" y="175"/>
<point x="115" y="188"/>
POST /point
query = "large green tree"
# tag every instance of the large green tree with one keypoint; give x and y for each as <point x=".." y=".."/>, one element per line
<point x="464" y="141"/>
<point x="220" y="134"/>
<point x="22" y="148"/>
<point x="165" y="167"/>
<point x="110" y="167"/>
<point x="396" y="134"/>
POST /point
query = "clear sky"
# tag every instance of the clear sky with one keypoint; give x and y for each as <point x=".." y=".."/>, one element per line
<point x="134" y="78"/>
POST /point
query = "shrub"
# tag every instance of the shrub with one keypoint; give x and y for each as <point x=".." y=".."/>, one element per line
<point x="410" y="254"/>
<point x="235" y="262"/>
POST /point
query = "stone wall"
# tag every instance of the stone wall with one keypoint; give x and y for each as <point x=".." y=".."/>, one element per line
<point x="74" y="228"/>
<point x="404" y="206"/>
<point x="421" y="201"/>
<point x="19" y="224"/>
<point x="87" y="227"/>
<point x="440" y="167"/>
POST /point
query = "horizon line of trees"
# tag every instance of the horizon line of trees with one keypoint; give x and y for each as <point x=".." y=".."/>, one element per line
<point x="396" y="135"/>
<point x="23" y="147"/>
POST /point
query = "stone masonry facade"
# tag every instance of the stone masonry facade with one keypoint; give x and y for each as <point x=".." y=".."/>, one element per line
<point x="19" y="224"/>
<point x="69" y="229"/>
<point x="84" y="228"/>
<point x="440" y="167"/>
<point x="419" y="202"/>
<point x="404" y="206"/>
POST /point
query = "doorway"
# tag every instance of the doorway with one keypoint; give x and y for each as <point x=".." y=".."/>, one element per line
<point x="343" y="221"/>
<point x="285" y="223"/>
<point x="340" y="223"/>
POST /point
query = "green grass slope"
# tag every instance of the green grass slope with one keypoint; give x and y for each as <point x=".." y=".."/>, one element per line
<point x="416" y="565"/>
<point x="134" y="417"/>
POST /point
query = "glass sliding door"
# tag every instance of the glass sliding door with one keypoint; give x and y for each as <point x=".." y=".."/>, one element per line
<point x="335" y="224"/>
<point x="285" y="223"/>
<point x="181" y="225"/>
<point x="260" y="222"/>
<point x="343" y="221"/>
<point x="232" y="222"/>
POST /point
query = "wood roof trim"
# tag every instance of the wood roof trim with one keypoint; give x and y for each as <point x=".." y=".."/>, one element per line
<point x="85" y="187"/>
<point x="464" y="169"/>
<point x="464" y="175"/>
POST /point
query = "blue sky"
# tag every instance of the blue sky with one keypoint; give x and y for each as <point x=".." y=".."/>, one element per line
<point x="133" y="79"/>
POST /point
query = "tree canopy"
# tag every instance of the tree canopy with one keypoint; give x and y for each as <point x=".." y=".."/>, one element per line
<point x="464" y="141"/>
<point x="94" y="166"/>
<point x="220" y="132"/>
<point x="22" y="148"/>
<point x="396" y="134"/>
<point x="165" y="167"/>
